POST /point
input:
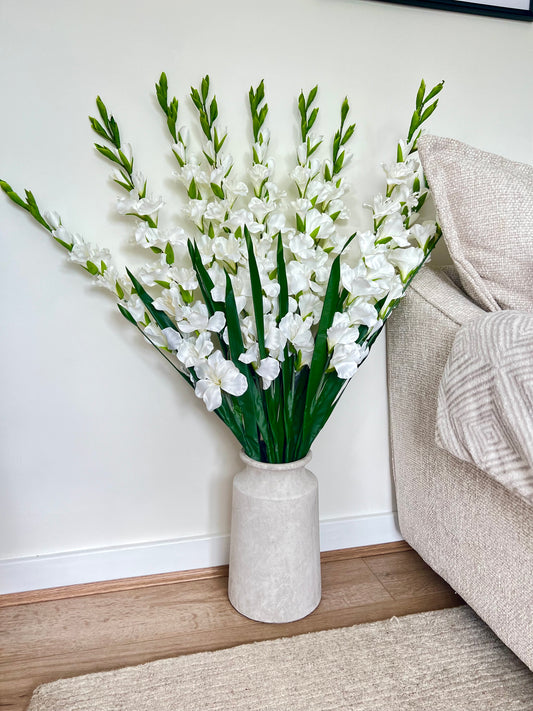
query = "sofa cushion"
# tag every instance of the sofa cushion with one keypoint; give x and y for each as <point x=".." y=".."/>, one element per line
<point x="484" y="206"/>
<point x="485" y="399"/>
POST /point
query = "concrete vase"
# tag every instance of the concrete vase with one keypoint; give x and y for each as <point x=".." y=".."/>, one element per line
<point x="274" y="571"/>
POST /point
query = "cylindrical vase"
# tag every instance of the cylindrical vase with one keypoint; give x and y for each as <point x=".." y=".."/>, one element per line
<point x="274" y="570"/>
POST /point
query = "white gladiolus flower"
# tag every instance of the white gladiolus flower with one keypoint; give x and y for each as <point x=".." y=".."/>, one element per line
<point x="301" y="245"/>
<point x="260" y="208"/>
<point x="193" y="351"/>
<point x="356" y="281"/>
<point x="173" y="338"/>
<point x="401" y="173"/>
<point x="169" y="300"/>
<point x="155" y="335"/>
<point x="185" y="277"/>
<point x="298" y="276"/>
<point x="196" y="318"/>
<point x="406" y="260"/>
<point x="301" y="153"/>
<point x="135" y="306"/>
<point x="144" y="206"/>
<point x="310" y="306"/>
<point x="301" y="176"/>
<point x="362" y="313"/>
<point x="393" y="226"/>
<point x="216" y="210"/>
<point x="268" y="370"/>
<point x="180" y="150"/>
<point x="341" y="331"/>
<point x="228" y="249"/>
<point x="346" y="359"/>
<point x="337" y="207"/>
<point x="216" y="374"/>
<point x="298" y="333"/>
<point x="383" y="206"/>
<point x="53" y="219"/>
<point x="260" y="173"/>
<point x="276" y="223"/>
<point x="195" y="211"/>
<point x="422" y="233"/>
<point x="319" y="223"/>
<point x="146" y="236"/>
<point x="240" y="218"/>
<point x="235" y="189"/>
<point x="191" y="171"/>
<point x="83" y="252"/>
<point x="108" y="280"/>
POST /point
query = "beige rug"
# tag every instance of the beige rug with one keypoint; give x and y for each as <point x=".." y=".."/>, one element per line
<point x="435" y="661"/>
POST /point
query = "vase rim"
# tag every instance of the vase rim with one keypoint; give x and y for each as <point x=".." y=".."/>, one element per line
<point x="279" y="466"/>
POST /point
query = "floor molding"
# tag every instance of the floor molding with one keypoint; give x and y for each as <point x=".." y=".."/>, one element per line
<point x="190" y="558"/>
<point x="149" y="581"/>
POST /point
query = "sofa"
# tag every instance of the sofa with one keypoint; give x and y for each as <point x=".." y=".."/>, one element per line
<point x="460" y="378"/>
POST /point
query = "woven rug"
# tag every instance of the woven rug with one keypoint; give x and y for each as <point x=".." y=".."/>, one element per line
<point x="435" y="661"/>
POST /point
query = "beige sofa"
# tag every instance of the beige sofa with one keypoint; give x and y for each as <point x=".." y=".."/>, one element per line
<point x="461" y="420"/>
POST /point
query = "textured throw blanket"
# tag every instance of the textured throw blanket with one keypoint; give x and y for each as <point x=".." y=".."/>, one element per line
<point x="485" y="402"/>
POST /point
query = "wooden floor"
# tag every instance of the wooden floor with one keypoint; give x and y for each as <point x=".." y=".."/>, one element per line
<point x="46" y="636"/>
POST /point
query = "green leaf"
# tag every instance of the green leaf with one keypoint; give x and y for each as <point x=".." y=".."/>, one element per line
<point x="204" y="280"/>
<point x="126" y="314"/>
<point x="415" y="123"/>
<point x="344" y="110"/>
<point x="34" y="210"/>
<point x="192" y="191"/>
<point x="128" y="164"/>
<point x="349" y="133"/>
<point x="162" y="92"/>
<point x="248" y="403"/>
<point x="92" y="268"/>
<point x="282" y="281"/>
<point x="427" y="113"/>
<point x="420" y="95"/>
<point x="217" y="191"/>
<point x="320" y="353"/>
<point x="213" y="111"/>
<point x="324" y="407"/>
<point x="312" y="119"/>
<point x="205" y="88"/>
<point x="98" y="128"/>
<point x="12" y="195"/>
<point x="206" y="128"/>
<point x="257" y="294"/>
<point x="197" y="101"/>
<point x="311" y="97"/>
<point x="337" y="166"/>
<point x="399" y="154"/>
<point x="169" y="254"/>
<point x="107" y="153"/>
<point x="103" y="112"/>
<point x="160" y="317"/>
<point x="115" y="132"/>
<point x="436" y="90"/>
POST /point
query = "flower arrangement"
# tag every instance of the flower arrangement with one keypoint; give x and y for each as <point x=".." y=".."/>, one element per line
<point x="265" y="303"/>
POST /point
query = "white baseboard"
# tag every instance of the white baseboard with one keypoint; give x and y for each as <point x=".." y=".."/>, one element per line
<point x="89" y="566"/>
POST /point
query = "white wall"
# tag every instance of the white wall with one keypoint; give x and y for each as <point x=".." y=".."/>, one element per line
<point x="101" y="445"/>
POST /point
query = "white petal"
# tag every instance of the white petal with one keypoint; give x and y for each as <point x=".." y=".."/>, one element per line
<point x="210" y="394"/>
<point x="216" y="322"/>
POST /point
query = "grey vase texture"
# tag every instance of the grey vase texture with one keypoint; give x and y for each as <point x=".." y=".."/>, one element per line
<point x="274" y="571"/>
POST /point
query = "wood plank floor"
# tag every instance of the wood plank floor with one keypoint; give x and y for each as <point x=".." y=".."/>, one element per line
<point x="101" y="628"/>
